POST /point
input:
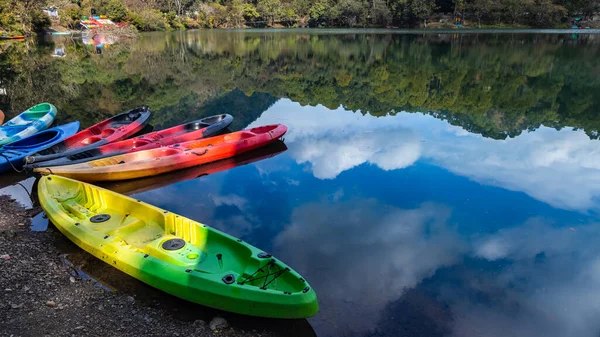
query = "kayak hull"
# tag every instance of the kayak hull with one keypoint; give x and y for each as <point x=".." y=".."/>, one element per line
<point x="13" y="155"/>
<point x="110" y="130"/>
<point x="171" y="158"/>
<point x="175" y="254"/>
<point x="27" y="123"/>
<point x="202" y="128"/>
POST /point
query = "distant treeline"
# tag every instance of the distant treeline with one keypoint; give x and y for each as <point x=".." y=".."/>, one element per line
<point x="147" y="15"/>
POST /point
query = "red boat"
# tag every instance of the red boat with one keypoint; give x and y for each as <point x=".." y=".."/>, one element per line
<point x="202" y="128"/>
<point x="170" y="158"/>
<point x="135" y="186"/>
<point x="14" y="37"/>
<point x="119" y="127"/>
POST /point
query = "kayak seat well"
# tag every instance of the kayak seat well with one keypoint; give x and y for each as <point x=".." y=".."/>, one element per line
<point x="35" y="140"/>
<point x="263" y="129"/>
<point x="36" y="112"/>
<point x="125" y="119"/>
<point x="91" y="140"/>
<point x="107" y="132"/>
<point x="212" y="119"/>
<point x="44" y="107"/>
<point x="195" y="126"/>
<point x="140" y="142"/>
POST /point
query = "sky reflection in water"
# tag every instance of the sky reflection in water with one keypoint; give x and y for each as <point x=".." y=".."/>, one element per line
<point x="407" y="225"/>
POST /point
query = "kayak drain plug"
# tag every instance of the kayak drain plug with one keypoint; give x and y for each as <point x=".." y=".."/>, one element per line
<point x="100" y="218"/>
<point x="173" y="244"/>
<point x="228" y="279"/>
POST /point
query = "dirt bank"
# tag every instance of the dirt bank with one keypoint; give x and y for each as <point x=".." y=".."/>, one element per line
<point x="45" y="290"/>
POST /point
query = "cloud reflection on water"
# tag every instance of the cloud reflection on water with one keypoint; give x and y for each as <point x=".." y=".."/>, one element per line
<point x="363" y="255"/>
<point x="560" y="168"/>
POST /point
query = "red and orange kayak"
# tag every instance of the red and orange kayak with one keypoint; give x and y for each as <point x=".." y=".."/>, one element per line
<point x="173" y="157"/>
<point x="135" y="186"/>
<point x="116" y="128"/>
<point x="202" y="128"/>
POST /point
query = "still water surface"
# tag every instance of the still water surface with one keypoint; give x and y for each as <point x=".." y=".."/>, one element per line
<point x="432" y="185"/>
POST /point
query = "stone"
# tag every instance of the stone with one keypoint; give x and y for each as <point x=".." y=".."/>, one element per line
<point x="218" y="323"/>
<point x="51" y="304"/>
<point x="199" y="323"/>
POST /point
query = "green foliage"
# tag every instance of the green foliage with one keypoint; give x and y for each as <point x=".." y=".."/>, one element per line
<point x="149" y="20"/>
<point x="174" y="21"/>
<point x="547" y="14"/>
<point x="481" y="9"/>
<point x="318" y="10"/>
<point x="38" y="20"/>
<point x="70" y="15"/>
<point x="422" y="9"/>
<point x="351" y="13"/>
<point x="116" y="10"/>
<point x="268" y="10"/>
<point x="190" y="23"/>
<point x="23" y="16"/>
<point x="250" y="12"/>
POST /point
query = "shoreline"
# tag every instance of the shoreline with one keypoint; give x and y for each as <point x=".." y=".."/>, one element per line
<point x="47" y="289"/>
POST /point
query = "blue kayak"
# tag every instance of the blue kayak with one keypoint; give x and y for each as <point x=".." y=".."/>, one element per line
<point x="29" y="122"/>
<point x="16" y="152"/>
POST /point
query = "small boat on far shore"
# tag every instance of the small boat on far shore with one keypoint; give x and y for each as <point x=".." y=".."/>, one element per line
<point x="12" y="37"/>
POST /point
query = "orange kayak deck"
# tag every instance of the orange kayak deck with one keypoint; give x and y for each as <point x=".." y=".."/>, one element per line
<point x="170" y="158"/>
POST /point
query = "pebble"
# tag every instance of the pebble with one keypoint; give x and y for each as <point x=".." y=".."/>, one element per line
<point x="79" y="327"/>
<point x="218" y="323"/>
<point x="130" y="299"/>
<point x="8" y="290"/>
<point x="72" y="279"/>
<point x="5" y="257"/>
<point x="16" y="306"/>
<point x="198" y="323"/>
<point x="21" y="224"/>
<point x="51" y="304"/>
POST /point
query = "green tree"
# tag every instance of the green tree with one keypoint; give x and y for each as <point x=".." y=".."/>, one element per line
<point x="268" y="10"/>
<point x="318" y="10"/>
<point x="116" y="10"/>
<point x="481" y="8"/>
<point x="514" y="8"/>
<point x="381" y="13"/>
<point x="236" y="13"/>
<point x="546" y="14"/>
<point x="351" y="13"/>
<point x="250" y="12"/>
<point x="422" y="9"/>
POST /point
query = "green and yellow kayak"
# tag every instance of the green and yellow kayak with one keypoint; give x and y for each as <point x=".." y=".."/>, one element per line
<point x="175" y="254"/>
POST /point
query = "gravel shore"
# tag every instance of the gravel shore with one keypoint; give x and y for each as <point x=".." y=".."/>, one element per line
<point x="46" y="290"/>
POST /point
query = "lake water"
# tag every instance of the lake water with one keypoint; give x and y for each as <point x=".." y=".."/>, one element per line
<point x="431" y="184"/>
